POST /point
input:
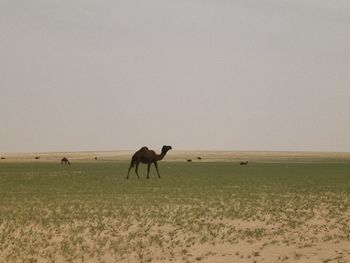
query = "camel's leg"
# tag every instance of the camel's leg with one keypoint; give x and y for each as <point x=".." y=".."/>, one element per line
<point x="131" y="165"/>
<point x="148" y="168"/>
<point x="156" y="165"/>
<point x="127" y="177"/>
<point x="137" y="170"/>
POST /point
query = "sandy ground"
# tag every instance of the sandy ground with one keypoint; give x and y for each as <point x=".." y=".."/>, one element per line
<point x="319" y="240"/>
<point x="205" y="156"/>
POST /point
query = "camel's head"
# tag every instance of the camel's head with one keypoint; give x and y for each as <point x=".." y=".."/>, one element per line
<point x="166" y="148"/>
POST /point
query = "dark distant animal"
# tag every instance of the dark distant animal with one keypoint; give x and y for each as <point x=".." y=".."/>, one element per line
<point x="243" y="163"/>
<point x="199" y="158"/>
<point x="3" y="158"/>
<point x="189" y="160"/>
<point x="37" y="157"/>
<point x="146" y="156"/>
<point x="64" y="160"/>
<point x="95" y="158"/>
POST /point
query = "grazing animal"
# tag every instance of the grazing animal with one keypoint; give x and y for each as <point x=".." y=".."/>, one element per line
<point x="243" y="163"/>
<point x="3" y="158"/>
<point x="189" y="160"/>
<point x="199" y="158"/>
<point x="146" y="156"/>
<point x="37" y="157"/>
<point x="96" y="158"/>
<point x="65" y="161"/>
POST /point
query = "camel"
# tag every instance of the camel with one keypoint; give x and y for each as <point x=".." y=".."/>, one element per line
<point x="146" y="156"/>
<point x="65" y="161"/>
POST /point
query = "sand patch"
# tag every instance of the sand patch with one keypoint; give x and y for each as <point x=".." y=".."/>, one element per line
<point x="182" y="156"/>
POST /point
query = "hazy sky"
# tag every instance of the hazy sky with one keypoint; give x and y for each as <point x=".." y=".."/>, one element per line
<point x="195" y="74"/>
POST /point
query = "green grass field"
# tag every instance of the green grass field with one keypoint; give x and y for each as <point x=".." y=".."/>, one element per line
<point x="90" y="212"/>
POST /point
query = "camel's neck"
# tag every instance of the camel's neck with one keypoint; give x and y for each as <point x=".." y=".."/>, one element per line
<point x="161" y="156"/>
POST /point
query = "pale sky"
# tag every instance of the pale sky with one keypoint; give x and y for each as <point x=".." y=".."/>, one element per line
<point x="81" y="75"/>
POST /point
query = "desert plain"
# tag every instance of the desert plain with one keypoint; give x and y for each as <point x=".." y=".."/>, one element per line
<point x="280" y="207"/>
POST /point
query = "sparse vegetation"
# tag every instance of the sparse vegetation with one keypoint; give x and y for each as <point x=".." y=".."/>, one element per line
<point x="88" y="211"/>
